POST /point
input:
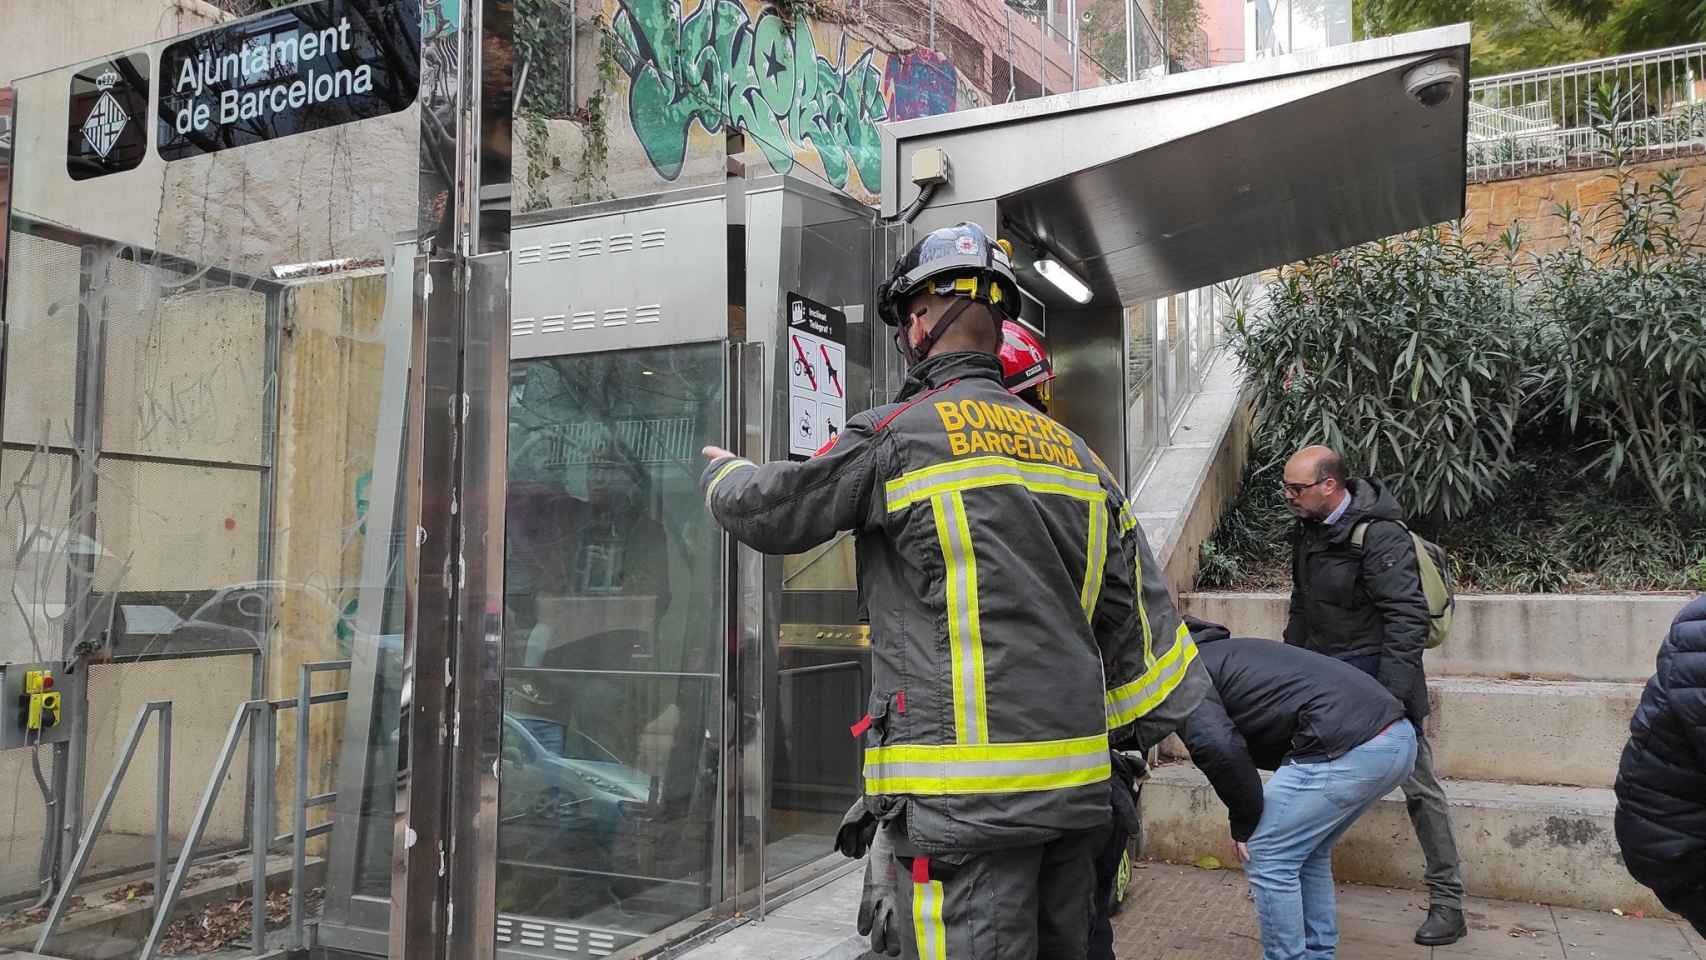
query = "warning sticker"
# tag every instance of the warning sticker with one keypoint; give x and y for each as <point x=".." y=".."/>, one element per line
<point x="817" y="375"/>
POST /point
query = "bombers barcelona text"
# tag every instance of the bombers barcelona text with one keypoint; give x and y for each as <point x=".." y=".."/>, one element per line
<point x="977" y="426"/>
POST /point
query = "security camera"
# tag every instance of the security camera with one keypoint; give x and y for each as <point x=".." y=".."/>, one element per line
<point x="1431" y="83"/>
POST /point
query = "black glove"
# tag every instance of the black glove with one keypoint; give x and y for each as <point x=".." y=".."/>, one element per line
<point x="857" y="829"/>
<point x="878" y="911"/>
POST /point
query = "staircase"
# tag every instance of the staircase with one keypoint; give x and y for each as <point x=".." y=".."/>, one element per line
<point x="1531" y="703"/>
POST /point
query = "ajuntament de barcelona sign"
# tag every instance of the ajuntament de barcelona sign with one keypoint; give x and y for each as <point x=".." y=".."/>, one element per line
<point x="300" y="69"/>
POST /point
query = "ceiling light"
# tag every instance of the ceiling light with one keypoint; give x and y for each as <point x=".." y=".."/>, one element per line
<point x="1063" y="278"/>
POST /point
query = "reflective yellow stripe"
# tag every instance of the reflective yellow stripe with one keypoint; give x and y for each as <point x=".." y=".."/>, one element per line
<point x="965" y="638"/>
<point x="722" y="472"/>
<point x="1142" y="611"/>
<point x="1096" y="560"/>
<point x="928" y="930"/>
<point x="956" y="769"/>
<point x="1128" y="519"/>
<point x="969" y="474"/>
<point x="1129" y="701"/>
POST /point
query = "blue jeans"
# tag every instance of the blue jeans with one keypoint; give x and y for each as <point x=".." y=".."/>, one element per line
<point x="1307" y="807"/>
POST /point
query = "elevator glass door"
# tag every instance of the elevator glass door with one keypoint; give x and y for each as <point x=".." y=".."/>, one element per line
<point x="614" y="647"/>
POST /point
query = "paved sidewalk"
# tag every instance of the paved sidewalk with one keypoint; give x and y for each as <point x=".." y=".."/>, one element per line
<point x="1210" y="917"/>
<point x="1197" y="914"/>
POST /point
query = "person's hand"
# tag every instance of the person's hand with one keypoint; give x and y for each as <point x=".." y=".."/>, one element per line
<point x="715" y="453"/>
<point x="1243" y="851"/>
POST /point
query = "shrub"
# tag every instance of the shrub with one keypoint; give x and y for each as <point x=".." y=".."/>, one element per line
<point x="1627" y="298"/>
<point x="1411" y="356"/>
<point x="1552" y="409"/>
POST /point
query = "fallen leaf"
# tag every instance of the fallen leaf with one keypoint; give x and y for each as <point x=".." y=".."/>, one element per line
<point x="1209" y="863"/>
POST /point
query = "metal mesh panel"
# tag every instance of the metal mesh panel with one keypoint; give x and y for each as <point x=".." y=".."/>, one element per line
<point x="41" y="349"/>
<point x="36" y="548"/>
<point x="23" y="821"/>
<point x="170" y="527"/>
<point x="204" y="693"/>
<point x="186" y="375"/>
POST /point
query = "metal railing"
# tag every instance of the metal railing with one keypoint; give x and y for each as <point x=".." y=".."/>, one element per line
<point x="1539" y="121"/>
<point x="261" y="716"/>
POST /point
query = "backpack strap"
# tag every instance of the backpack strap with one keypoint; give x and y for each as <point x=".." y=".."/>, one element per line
<point x="1361" y="530"/>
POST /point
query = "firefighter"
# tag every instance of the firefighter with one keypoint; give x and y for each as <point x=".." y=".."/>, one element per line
<point x="1019" y="623"/>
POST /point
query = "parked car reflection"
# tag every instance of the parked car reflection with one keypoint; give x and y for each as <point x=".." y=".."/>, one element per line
<point x="564" y="779"/>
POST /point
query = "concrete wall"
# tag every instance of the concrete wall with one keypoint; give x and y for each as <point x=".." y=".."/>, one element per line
<point x="43" y="34"/>
<point x="1516" y="842"/>
<point x="1520" y="636"/>
<point x="1180" y="497"/>
<point x="331" y="380"/>
<point x="1224" y="478"/>
<point x="1529" y="202"/>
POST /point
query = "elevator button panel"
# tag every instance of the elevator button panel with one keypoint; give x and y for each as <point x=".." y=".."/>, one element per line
<point x="32" y="705"/>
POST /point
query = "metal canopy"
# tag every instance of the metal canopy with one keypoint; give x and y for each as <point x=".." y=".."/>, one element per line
<point x="1158" y="186"/>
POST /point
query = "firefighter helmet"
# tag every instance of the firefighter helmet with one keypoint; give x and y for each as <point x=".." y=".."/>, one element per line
<point x="1025" y="367"/>
<point x="960" y="261"/>
<point x="1024" y="359"/>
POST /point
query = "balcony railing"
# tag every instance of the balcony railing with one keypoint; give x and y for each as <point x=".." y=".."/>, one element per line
<point x="1538" y="121"/>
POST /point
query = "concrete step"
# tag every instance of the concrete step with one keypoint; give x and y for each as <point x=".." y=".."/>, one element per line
<point x="1531" y="843"/>
<point x="1569" y="733"/>
<point x="1538" y="636"/>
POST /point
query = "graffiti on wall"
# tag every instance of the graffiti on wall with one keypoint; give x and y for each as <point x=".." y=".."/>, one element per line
<point x="718" y="67"/>
<point x="920" y="84"/>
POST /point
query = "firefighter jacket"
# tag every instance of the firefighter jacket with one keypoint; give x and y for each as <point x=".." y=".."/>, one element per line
<point x="1018" y="621"/>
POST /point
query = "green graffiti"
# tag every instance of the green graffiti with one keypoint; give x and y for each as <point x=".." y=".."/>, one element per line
<point x="716" y="67"/>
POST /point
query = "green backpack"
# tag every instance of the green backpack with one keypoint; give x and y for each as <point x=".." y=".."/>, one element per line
<point x="1436" y="581"/>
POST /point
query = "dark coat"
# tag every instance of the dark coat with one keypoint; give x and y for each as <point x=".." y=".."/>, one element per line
<point x="1365" y="606"/>
<point x="1661" y="782"/>
<point x="1269" y="704"/>
<point x="1019" y="622"/>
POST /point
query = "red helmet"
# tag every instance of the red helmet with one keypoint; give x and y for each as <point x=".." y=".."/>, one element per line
<point x="1024" y="359"/>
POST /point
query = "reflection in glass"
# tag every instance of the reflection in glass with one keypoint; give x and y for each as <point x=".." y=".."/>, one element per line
<point x="612" y="718"/>
<point x="1140" y="398"/>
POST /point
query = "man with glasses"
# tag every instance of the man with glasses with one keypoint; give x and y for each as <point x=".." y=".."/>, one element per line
<point x="1360" y="599"/>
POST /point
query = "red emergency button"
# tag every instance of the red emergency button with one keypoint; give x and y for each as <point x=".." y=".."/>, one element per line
<point x="47" y="681"/>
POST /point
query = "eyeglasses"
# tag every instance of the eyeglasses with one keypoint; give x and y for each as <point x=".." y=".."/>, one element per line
<point x="1296" y="489"/>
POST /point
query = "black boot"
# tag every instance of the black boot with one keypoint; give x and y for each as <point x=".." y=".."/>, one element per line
<point x="1444" y="925"/>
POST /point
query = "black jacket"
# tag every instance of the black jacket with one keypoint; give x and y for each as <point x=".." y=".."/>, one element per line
<point x="1363" y="605"/>
<point x="1661" y="782"/>
<point x="1019" y="623"/>
<point x="1271" y="703"/>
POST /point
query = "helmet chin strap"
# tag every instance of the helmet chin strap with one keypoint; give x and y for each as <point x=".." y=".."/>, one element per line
<point x="916" y="353"/>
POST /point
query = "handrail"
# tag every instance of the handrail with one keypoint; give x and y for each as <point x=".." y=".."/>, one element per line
<point x="1621" y="59"/>
<point x="263" y="715"/>
<point x="80" y="860"/>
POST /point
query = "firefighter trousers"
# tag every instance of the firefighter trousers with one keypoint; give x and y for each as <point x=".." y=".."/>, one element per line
<point x="1015" y="904"/>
